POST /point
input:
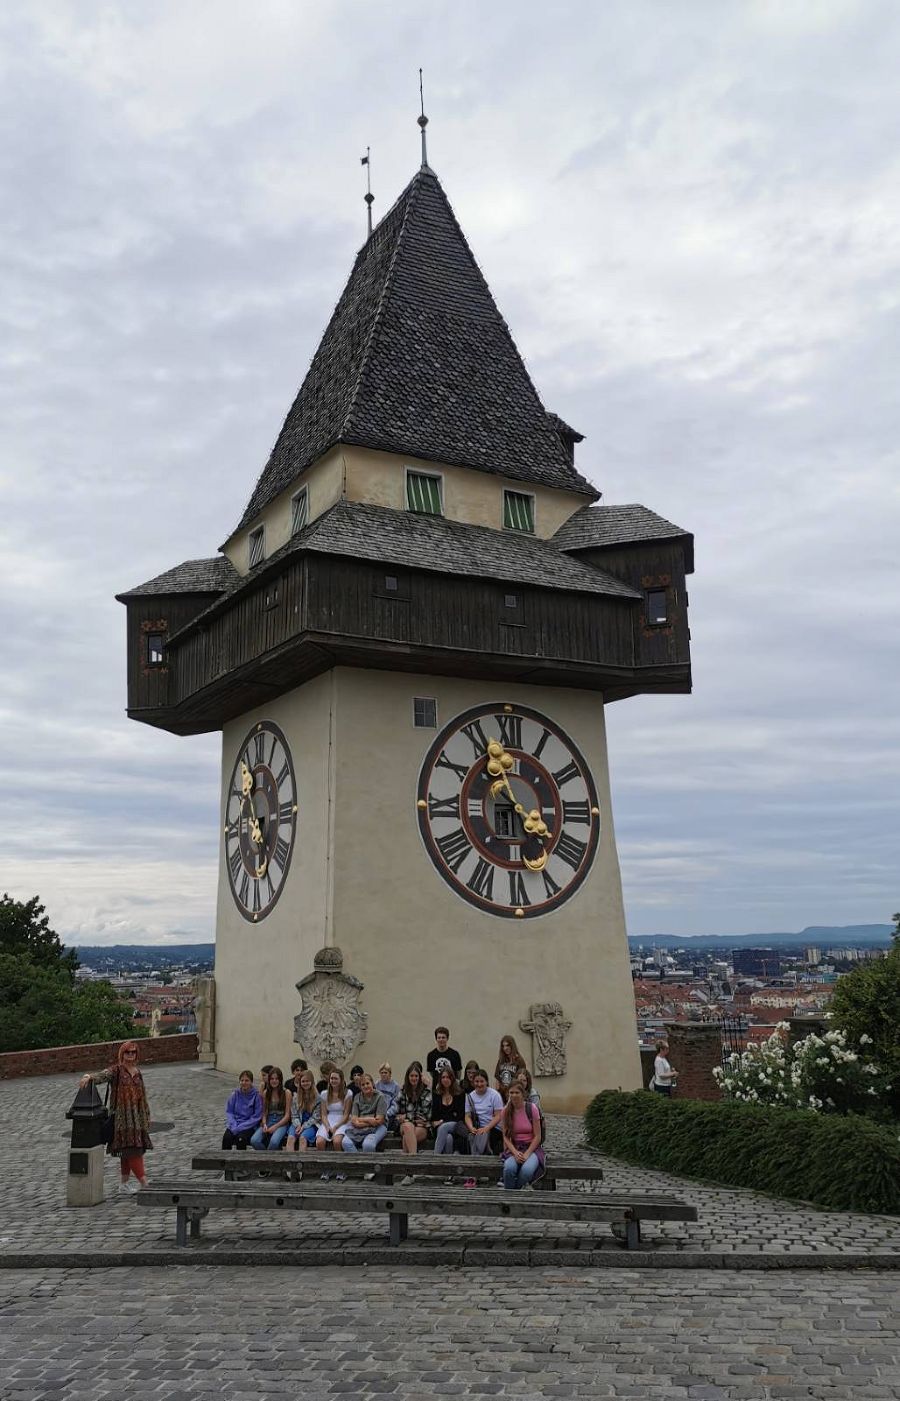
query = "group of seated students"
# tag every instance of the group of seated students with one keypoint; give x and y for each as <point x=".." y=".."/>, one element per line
<point x="454" y="1108"/>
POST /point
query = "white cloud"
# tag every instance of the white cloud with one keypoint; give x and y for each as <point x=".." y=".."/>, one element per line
<point x="688" y="214"/>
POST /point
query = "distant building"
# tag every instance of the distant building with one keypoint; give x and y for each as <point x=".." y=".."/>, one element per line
<point x="813" y="956"/>
<point x="756" y="963"/>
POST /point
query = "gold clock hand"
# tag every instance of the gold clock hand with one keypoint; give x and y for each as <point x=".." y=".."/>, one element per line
<point x="253" y="824"/>
<point x="499" y="765"/>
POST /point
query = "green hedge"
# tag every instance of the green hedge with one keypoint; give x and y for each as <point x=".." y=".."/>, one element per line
<point x="841" y="1162"/>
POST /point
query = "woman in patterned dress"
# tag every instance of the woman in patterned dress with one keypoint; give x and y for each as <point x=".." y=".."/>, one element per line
<point x="131" y="1114"/>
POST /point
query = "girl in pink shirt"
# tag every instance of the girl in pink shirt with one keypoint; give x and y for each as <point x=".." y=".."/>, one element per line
<point x="523" y="1155"/>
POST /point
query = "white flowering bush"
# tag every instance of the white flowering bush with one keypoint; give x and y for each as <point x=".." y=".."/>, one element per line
<point x="822" y="1073"/>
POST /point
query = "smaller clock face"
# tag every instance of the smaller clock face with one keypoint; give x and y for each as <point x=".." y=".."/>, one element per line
<point x="508" y="811"/>
<point x="260" y="820"/>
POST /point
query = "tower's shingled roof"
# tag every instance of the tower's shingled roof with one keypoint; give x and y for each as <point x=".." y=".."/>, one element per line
<point x="417" y="359"/>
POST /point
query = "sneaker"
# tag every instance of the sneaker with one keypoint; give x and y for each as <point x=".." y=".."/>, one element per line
<point x="407" y="1181"/>
<point x="340" y="1177"/>
<point x="449" y="1181"/>
<point x="470" y="1182"/>
<point x="368" y="1177"/>
<point x="326" y="1177"/>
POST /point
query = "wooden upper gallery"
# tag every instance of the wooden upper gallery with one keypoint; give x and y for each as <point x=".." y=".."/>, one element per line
<point x="420" y="511"/>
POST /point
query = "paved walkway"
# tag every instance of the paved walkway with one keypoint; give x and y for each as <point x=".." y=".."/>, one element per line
<point x="36" y="1226"/>
<point x="201" y="1334"/>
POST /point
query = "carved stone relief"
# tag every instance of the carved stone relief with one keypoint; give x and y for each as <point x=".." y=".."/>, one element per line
<point x="548" y="1026"/>
<point x="331" y="1023"/>
<point x="205" y="1017"/>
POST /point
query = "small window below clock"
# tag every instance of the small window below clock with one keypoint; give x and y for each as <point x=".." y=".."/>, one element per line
<point x="518" y="511"/>
<point x="424" y="493"/>
<point x="257" y="546"/>
<point x="391" y="583"/>
<point x="424" y="713"/>
<point x="511" y="600"/>
<point x="156" y="643"/>
<point x="299" y="510"/>
<point x="657" y="607"/>
<point x="504" y="820"/>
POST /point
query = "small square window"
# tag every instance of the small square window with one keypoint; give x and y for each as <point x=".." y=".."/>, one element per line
<point x="511" y="600"/>
<point x="504" y="821"/>
<point x="657" y="605"/>
<point x="391" y="583"/>
<point x="424" y="713"/>
<point x="424" y="494"/>
<point x="156" y="642"/>
<point x="257" y="546"/>
<point x="299" y="511"/>
<point x="518" y="511"/>
<point x="272" y="596"/>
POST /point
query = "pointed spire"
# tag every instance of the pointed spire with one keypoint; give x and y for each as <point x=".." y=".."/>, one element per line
<point x="366" y="160"/>
<point x="423" y="122"/>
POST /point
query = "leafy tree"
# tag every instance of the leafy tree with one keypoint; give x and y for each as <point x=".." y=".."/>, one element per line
<point x="866" y="1003"/>
<point x="42" y="1006"/>
<point x="25" y="929"/>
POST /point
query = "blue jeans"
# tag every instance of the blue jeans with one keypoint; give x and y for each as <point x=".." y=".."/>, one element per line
<point x="276" y="1139"/>
<point x="369" y="1143"/>
<point x="518" y="1175"/>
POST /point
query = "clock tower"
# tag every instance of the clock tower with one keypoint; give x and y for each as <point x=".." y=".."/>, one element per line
<point x="408" y="642"/>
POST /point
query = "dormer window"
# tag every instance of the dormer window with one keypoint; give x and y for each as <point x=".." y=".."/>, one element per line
<point x="257" y="546"/>
<point x="518" y="511"/>
<point x="424" y="493"/>
<point x="299" y="510"/>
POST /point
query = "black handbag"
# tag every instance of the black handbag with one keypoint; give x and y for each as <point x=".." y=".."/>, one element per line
<point x="108" y="1122"/>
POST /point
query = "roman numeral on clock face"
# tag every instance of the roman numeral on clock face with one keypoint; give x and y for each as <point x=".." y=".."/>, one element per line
<point x="281" y="852"/>
<point x="283" y="773"/>
<point x="257" y="898"/>
<point x="566" y="774"/>
<point x="259" y="749"/>
<point x="510" y="728"/>
<point x="285" y="812"/>
<point x="518" y="895"/>
<point x="577" y="812"/>
<point x="481" y="881"/>
<point x="234" y="863"/>
<point x="476" y="737"/>
<point x="244" y="892"/>
<point x="444" y="807"/>
<point x="442" y="762"/>
<point x="570" y="849"/>
<point x="454" y="848"/>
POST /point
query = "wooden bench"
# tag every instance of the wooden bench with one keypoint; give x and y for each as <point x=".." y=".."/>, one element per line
<point x="388" y="1167"/>
<point x="192" y="1203"/>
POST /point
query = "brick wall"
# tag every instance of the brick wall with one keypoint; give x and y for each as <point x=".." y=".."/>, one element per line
<point x="57" y="1060"/>
<point x="694" y="1049"/>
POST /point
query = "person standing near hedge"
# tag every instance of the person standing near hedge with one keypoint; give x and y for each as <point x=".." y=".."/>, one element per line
<point x="130" y="1113"/>
<point x="664" y="1074"/>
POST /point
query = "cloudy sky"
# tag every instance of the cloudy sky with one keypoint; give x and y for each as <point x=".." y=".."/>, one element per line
<point x="690" y="216"/>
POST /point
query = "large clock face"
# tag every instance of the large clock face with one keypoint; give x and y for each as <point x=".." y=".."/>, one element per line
<point x="260" y="820"/>
<point x="508" y="810"/>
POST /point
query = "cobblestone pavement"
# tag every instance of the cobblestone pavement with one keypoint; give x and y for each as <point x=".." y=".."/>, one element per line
<point x="34" y="1217"/>
<point x="199" y="1334"/>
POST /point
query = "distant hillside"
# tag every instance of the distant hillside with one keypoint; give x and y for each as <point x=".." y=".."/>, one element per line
<point x="820" y="935"/>
<point x="127" y="957"/>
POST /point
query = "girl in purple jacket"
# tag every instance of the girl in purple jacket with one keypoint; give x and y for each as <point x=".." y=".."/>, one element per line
<point x="243" y="1112"/>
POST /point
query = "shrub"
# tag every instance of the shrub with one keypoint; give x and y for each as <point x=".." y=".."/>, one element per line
<point x="866" y="1004"/>
<point x="841" y="1162"/>
<point x="823" y="1073"/>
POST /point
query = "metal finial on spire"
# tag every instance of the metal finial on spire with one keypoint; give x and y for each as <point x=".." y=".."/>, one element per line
<point x="368" y="196"/>
<point x="423" y="122"/>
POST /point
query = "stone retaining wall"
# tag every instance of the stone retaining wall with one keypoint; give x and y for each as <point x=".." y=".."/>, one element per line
<point x="57" y="1060"/>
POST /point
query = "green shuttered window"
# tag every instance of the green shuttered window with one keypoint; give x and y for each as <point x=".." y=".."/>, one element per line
<point x="423" y="493"/>
<point x="518" y="511"/>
